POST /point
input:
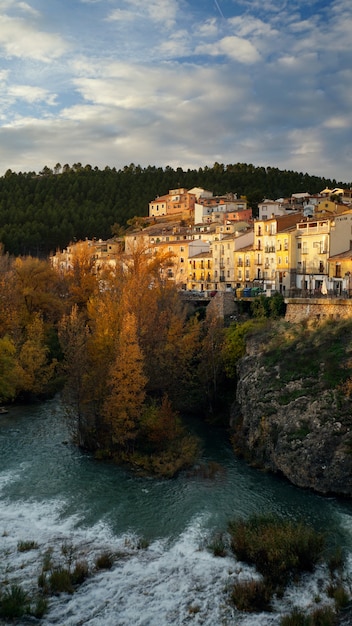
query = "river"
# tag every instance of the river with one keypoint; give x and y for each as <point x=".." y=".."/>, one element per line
<point x="164" y="573"/>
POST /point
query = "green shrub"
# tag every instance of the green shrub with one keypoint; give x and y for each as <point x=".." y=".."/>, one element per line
<point x="60" y="581"/>
<point x="251" y="596"/>
<point x="142" y="543"/>
<point x="25" y="546"/>
<point x="105" y="560"/>
<point x="336" y="561"/>
<point x="13" y="603"/>
<point x="40" y="608"/>
<point x="339" y="595"/>
<point x="324" y="616"/>
<point x="48" y="560"/>
<point x="43" y="581"/>
<point x="217" y="545"/>
<point x="278" y="548"/>
<point x="80" y="572"/>
<point x="296" y="618"/>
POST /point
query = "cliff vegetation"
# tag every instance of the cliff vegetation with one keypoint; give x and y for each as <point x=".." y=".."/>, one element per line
<point x="292" y="413"/>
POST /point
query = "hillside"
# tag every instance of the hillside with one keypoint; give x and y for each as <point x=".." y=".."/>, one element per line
<point x="42" y="212"/>
<point x="293" y="409"/>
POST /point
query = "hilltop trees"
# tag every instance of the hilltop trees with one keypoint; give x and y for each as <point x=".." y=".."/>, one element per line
<point x="42" y="212"/>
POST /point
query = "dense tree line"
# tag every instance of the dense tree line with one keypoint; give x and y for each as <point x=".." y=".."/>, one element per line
<point x="40" y="212"/>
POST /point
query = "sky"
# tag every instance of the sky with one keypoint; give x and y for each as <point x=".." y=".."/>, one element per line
<point x="177" y="83"/>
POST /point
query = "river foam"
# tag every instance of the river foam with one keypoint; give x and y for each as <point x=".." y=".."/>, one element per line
<point x="167" y="583"/>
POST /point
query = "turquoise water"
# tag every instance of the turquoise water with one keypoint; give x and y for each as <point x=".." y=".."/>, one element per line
<point x="52" y="492"/>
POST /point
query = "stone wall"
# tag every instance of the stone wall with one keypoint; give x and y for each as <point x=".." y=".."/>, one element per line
<point x="320" y="309"/>
<point x="222" y="304"/>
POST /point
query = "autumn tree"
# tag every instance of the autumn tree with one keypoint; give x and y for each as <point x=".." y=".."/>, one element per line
<point x="105" y="318"/>
<point x="36" y="288"/>
<point x="81" y="278"/>
<point x="126" y="388"/>
<point x="35" y="371"/>
<point x="8" y="370"/>
<point x="73" y="336"/>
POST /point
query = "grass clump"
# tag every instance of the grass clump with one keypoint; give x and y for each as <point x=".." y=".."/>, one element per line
<point x="80" y="572"/>
<point x="60" y="581"/>
<point x="279" y="549"/>
<point x="339" y="595"/>
<point x="25" y="546"/>
<point x="251" y="596"/>
<point x="105" y="560"/>
<point x="14" y="603"/>
<point x="324" y="616"/>
<point x="40" y="608"/>
<point x="218" y="546"/>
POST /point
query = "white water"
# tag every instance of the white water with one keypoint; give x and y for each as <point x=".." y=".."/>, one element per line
<point x="175" y="580"/>
<point x="168" y="583"/>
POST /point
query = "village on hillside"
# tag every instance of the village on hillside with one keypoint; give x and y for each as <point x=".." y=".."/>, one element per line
<point x="297" y="246"/>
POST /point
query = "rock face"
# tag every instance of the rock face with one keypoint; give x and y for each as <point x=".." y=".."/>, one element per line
<point x="296" y="427"/>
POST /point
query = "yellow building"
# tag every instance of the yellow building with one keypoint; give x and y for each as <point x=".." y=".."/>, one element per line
<point x="312" y="253"/>
<point x="244" y="266"/>
<point x="200" y="272"/>
<point x="265" y="245"/>
<point x="228" y="240"/>
<point x="178" y="267"/>
<point x="285" y="260"/>
<point x="340" y="273"/>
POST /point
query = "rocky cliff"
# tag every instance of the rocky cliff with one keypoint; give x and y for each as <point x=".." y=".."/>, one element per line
<point x="293" y="411"/>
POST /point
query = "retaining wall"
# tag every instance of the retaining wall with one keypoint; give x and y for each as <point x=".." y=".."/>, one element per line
<point x="298" y="309"/>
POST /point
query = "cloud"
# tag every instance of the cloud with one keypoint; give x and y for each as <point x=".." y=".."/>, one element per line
<point x="31" y="94"/>
<point x="156" y="11"/>
<point x="236" y="48"/>
<point x="20" y="39"/>
<point x="172" y="82"/>
<point x="121" y="15"/>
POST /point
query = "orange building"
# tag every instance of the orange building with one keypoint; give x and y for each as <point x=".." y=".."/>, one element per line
<point x="175" y="202"/>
